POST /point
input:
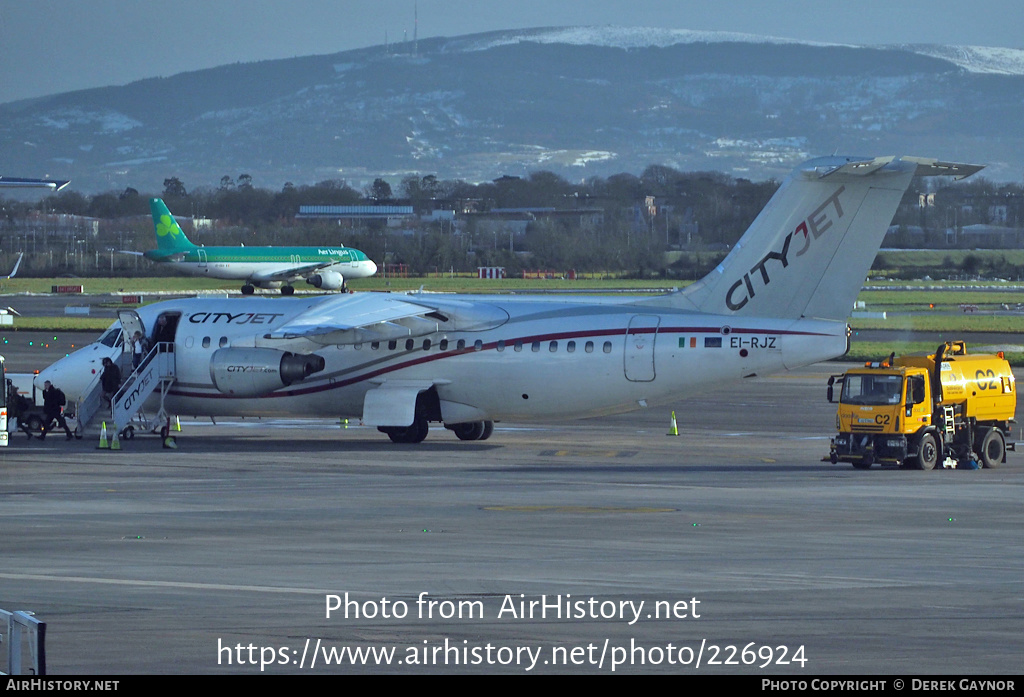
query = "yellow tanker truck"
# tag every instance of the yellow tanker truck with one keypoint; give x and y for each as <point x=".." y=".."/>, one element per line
<point x="920" y="410"/>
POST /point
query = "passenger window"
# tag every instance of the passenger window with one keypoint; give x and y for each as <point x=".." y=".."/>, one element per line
<point x="461" y="345"/>
<point x="518" y="346"/>
<point x="223" y="341"/>
<point x="535" y="346"/>
<point x="570" y="346"/>
<point x="501" y="345"/>
<point x="607" y="347"/>
<point x="357" y="347"/>
<point x="409" y="343"/>
<point x="392" y="345"/>
<point x="589" y="348"/>
<point x="478" y="345"/>
<point x="375" y="345"/>
<point x="443" y="345"/>
<point x="206" y="342"/>
<point x="553" y="346"/>
<point x="426" y="344"/>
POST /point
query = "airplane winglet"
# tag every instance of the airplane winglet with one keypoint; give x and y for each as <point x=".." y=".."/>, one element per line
<point x="17" y="264"/>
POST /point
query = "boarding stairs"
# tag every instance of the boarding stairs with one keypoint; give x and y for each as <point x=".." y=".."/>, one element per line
<point x="156" y="371"/>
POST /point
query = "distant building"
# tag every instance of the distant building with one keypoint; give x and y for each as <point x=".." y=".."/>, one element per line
<point x="391" y="215"/>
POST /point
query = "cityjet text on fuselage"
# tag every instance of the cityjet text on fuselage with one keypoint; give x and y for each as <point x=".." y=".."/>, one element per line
<point x="816" y="224"/>
<point x="234" y="318"/>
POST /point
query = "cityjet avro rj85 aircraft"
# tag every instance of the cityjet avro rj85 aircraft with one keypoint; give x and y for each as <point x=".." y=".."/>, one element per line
<point x="779" y="300"/>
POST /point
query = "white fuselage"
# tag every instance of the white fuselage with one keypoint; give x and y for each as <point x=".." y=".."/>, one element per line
<point x="256" y="270"/>
<point x="555" y="358"/>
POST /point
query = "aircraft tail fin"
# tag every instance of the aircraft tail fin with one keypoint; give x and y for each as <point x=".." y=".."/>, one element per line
<point x="170" y="239"/>
<point x="808" y="252"/>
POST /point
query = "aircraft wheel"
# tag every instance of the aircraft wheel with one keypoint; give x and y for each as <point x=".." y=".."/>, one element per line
<point x="993" y="449"/>
<point x="472" y="430"/>
<point x="287" y="290"/>
<point x="248" y="289"/>
<point x="488" y="430"/>
<point x="928" y="452"/>
<point x="415" y="433"/>
<point x="422" y="429"/>
<point x="33" y="425"/>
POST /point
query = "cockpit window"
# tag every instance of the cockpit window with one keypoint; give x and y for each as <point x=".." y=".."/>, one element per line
<point x="112" y="337"/>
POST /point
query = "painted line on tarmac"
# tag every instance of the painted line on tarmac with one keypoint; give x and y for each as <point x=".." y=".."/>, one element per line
<point x="160" y="584"/>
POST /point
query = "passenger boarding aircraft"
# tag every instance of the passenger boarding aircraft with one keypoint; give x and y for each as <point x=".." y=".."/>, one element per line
<point x="264" y="267"/>
<point x="778" y="301"/>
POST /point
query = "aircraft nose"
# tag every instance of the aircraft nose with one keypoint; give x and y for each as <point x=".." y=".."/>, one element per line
<point x="42" y="376"/>
<point x="371" y="267"/>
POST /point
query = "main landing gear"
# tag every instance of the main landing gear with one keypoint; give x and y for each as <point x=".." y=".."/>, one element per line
<point x="417" y="431"/>
<point x="249" y="289"/>
<point x="474" y="430"/>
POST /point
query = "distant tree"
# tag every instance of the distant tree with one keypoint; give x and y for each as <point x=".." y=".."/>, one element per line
<point x="380" y="190"/>
<point x="70" y="202"/>
<point x="226" y="183"/>
<point x="174" y="188"/>
<point x="244" y="181"/>
<point x="129" y="193"/>
<point x="331" y="184"/>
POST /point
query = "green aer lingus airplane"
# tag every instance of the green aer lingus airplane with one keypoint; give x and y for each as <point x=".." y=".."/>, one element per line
<point x="263" y="267"/>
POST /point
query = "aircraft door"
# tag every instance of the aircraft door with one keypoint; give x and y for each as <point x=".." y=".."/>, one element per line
<point x="130" y="323"/>
<point x="638" y="360"/>
<point x="202" y="258"/>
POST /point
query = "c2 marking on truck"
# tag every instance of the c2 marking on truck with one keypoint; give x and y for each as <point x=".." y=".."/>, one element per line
<point x="984" y="384"/>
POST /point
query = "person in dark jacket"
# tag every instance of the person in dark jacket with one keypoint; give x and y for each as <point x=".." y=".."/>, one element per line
<point x="53" y="410"/>
<point x="110" y="379"/>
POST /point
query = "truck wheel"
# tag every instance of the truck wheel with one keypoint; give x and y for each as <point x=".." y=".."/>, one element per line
<point x="928" y="452"/>
<point x="34" y="424"/>
<point x="864" y="463"/>
<point x="993" y="448"/>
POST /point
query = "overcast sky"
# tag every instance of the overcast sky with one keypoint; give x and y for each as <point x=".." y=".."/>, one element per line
<point x="50" y="46"/>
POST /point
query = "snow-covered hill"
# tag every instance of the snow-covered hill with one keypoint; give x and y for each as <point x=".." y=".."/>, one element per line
<point x="581" y="101"/>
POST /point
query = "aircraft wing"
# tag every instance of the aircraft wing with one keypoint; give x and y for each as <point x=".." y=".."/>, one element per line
<point x="22" y="183"/>
<point x="353" y="319"/>
<point x="292" y="272"/>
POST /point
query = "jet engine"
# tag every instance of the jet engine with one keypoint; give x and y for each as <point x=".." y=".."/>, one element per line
<point x="327" y="280"/>
<point x="251" y="372"/>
